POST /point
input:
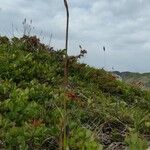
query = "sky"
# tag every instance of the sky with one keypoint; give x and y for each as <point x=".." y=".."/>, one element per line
<point x="122" y="26"/>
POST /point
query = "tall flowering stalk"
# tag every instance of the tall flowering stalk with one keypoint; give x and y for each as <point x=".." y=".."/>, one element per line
<point x="66" y="79"/>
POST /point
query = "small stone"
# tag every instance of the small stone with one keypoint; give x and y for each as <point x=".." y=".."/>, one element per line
<point x="1" y="144"/>
<point x="106" y="139"/>
<point x="116" y="146"/>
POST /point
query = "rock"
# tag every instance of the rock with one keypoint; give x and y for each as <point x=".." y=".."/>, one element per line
<point x="116" y="146"/>
<point x="105" y="139"/>
<point x="1" y="145"/>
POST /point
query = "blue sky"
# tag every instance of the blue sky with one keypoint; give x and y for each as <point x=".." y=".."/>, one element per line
<point x="122" y="26"/>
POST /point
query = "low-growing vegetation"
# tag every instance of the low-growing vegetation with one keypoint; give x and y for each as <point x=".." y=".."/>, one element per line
<point x="102" y="113"/>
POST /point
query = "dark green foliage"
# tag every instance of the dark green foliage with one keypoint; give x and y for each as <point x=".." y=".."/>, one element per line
<point x="4" y="40"/>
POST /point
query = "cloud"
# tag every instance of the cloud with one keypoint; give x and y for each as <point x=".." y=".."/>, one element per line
<point x="122" y="26"/>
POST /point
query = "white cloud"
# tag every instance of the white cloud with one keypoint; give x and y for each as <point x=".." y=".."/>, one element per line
<point x="122" y="26"/>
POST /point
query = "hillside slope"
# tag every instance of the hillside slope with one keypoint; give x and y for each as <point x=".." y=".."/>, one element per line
<point x="102" y="113"/>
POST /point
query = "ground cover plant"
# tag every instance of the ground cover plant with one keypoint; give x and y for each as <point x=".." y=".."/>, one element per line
<point x="102" y="113"/>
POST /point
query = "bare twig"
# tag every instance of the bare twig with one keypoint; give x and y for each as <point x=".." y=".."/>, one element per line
<point x="66" y="44"/>
<point x="66" y="78"/>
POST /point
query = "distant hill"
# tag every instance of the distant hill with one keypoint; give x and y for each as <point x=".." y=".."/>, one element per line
<point x="136" y="78"/>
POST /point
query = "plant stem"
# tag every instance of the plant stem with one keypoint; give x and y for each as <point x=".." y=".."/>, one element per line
<point x="66" y="79"/>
